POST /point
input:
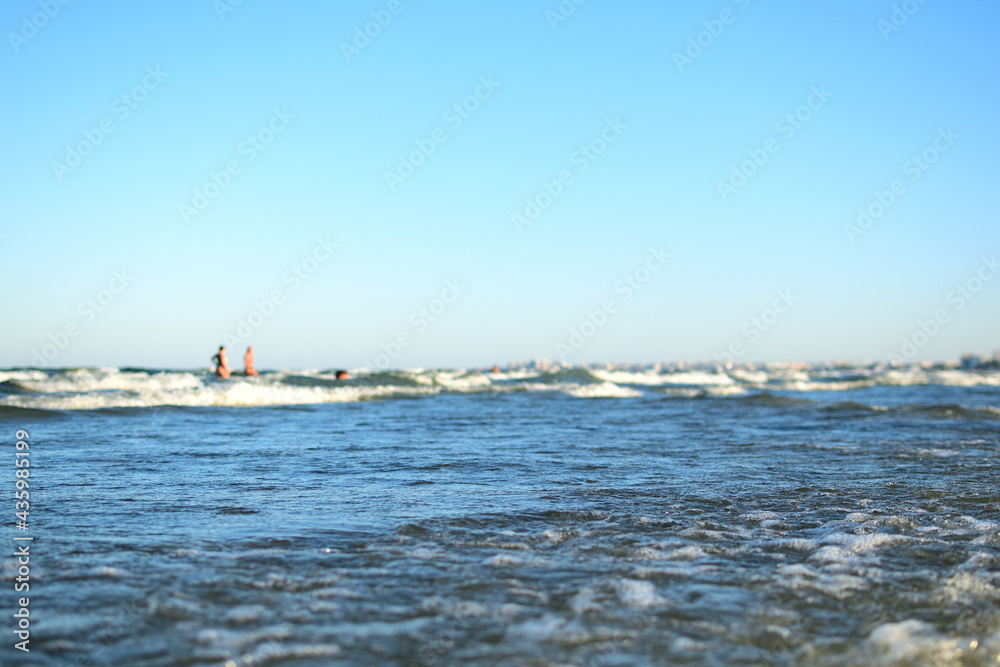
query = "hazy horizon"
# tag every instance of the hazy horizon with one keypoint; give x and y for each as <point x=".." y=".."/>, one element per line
<point x="236" y="364"/>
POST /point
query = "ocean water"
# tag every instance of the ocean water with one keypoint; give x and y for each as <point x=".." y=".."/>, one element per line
<point x="781" y="515"/>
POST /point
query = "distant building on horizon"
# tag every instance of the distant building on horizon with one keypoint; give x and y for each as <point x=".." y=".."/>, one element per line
<point x="976" y="362"/>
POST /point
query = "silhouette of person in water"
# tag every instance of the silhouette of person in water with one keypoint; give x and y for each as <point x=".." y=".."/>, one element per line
<point x="248" y="362"/>
<point x="341" y="375"/>
<point x="221" y="365"/>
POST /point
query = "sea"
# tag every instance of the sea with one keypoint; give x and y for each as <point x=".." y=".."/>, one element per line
<point x="779" y="514"/>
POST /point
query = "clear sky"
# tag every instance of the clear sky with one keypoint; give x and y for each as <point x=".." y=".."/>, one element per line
<point x="120" y="120"/>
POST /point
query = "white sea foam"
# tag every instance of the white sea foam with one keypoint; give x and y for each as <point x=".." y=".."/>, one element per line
<point x="654" y="378"/>
<point x="461" y="381"/>
<point x="904" y="378"/>
<point x="914" y="642"/>
<point x="979" y="525"/>
<point x="686" y="392"/>
<point x="752" y="377"/>
<point x="641" y="594"/>
<point x="863" y="544"/>
<point x="939" y="453"/>
<point x="966" y="588"/>
<point x="22" y="375"/>
<point x="650" y="378"/>
<point x="699" y="378"/>
<point x="504" y="560"/>
<point x="797" y="570"/>
<point x="88" y="389"/>
<point x="964" y="379"/>
<point x="794" y="543"/>
<point x="725" y="390"/>
<point x="839" y="584"/>
<point x="82" y="381"/>
<point x="690" y="552"/>
<point x="831" y="554"/>
<point x="234" y="394"/>
<point x="244" y="614"/>
<point x="809" y="385"/>
<point x="649" y="553"/>
<point x="540" y="629"/>
<point x="602" y="390"/>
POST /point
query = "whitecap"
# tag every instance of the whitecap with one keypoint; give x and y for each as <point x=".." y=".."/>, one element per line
<point x="602" y="390"/>
<point x="642" y="594"/>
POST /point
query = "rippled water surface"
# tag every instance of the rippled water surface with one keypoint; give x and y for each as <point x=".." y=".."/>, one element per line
<point x="858" y="526"/>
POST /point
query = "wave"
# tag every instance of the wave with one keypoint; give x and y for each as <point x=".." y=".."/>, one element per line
<point x="113" y="388"/>
<point x="768" y="399"/>
<point x="16" y="412"/>
<point x="951" y="411"/>
<point x="932" y="411"/>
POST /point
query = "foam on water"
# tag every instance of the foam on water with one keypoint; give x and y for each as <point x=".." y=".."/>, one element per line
<point x="602" y="390"/>
<point x="239" y="393"/>
<point x="725" y="390"/>
<point x="22" y="375"/>
<point x="698" y="378"/>
<point x="89" y="389"/>
<point x="915" y="642"/>
<point x="651" y="378"/>
<point x="964" y="379"/>
<point x="634" y="593"/>
<point x="863" y="544"/>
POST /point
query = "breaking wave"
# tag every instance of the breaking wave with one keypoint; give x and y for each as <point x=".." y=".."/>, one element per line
<point x="784" y="386"/>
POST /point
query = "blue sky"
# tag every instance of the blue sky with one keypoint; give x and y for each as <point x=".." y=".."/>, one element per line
<point x="330" y="126"/>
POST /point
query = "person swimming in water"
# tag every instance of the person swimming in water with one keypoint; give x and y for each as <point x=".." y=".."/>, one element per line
<point x="248" y="362"/>
<point x="221" y="365"/>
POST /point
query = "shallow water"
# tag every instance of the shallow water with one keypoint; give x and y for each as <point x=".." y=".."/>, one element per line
<point x="519" y="527"/>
